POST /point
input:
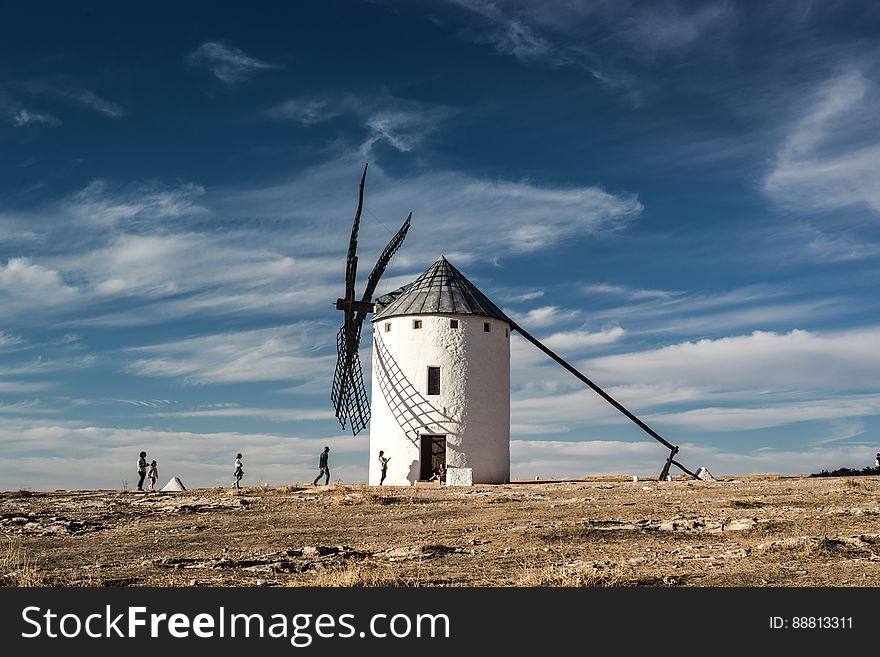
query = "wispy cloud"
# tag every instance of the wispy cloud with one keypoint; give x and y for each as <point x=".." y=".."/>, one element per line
<point x="41" y="365"/>
<point x="105" y="204"/>
<point x="577" y="341"/>
<point x="603" y="39"/>
<point x="511" y="35"/>
<point x="274" y="354"/>
<point x="828" y="160"/>
<point x="19" y="115"/>
<point x="545" y="316"/>
<point x="8" y="340"/>
<point x="230" y="65"/>
<point x="271" y="414"/>
<point x="671" y="26"/>
<point x="745" y="418"/>
<point x="97" y="103"/>
<point x="312" y="110"/>
<point x="403" y="124"/>
<point x="627" y="291"/>
<point x="514" y="216"/>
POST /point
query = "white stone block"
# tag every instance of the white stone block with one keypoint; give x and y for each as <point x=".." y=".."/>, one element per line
<point x="459" y="477"/>
<point x="704" y="474"/>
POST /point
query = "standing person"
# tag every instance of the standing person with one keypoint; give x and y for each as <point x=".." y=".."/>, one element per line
<point x="238" y="472"/>
<point x="153" y="475"/>
<point x="383" y="464"/>
<point x="877" y="461"/>
<point x="142" y="469"/>
<point x="325" y="469"/>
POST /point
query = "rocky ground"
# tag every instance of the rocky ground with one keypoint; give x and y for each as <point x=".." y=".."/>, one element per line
<point x="604" y="531"/>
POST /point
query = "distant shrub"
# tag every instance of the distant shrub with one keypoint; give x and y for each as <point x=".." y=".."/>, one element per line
<point x="848" y="472"/>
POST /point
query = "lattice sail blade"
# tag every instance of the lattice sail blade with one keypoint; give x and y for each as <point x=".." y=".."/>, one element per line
<point x="349" y="394"/>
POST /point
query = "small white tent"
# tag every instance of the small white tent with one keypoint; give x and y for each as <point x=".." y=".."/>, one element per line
<point x="174" y="484"/>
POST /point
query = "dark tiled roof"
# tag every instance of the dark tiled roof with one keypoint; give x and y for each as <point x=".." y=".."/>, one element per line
<point x="441" y="289"/>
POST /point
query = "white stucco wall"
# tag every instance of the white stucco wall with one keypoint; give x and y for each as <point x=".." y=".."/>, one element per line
<point x="472" y="409"/>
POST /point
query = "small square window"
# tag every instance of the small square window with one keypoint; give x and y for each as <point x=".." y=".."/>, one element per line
<point x="417" y="323"/>
<point x="387" y="326"/>
<point x="487" y="327"/>
<point x="453" y="323"/>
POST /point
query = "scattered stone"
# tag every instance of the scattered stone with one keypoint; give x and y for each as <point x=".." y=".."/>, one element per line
<point x="739" y="524"/>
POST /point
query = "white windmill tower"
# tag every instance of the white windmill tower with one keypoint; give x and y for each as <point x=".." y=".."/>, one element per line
<point x="440" y="381"/>
<point x="440" y="375"/>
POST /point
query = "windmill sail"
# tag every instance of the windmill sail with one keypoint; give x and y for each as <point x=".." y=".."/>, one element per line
<point x="349" y="395"/>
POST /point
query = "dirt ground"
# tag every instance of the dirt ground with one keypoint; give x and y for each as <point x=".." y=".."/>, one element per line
<point x="605" y="531"/>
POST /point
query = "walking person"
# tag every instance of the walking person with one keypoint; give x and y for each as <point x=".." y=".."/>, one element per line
<point x="383" y="464"/>
<point x="325" y="469"/>
<point x="142" y="470"/>
<point x="237" y="472"/>
<point x="153" y="475"/>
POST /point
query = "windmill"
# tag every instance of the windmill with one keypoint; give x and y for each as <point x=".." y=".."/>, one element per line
<point x="349" y="396"/>
<point x="443" y="299"/>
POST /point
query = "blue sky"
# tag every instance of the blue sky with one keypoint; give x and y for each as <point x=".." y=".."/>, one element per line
<point x="682" y="199"/>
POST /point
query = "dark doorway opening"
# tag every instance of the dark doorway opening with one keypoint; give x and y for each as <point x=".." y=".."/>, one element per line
<point x="433" y="450"/>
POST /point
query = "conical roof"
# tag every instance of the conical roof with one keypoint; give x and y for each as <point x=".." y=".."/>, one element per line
<point x="441" y="289"/>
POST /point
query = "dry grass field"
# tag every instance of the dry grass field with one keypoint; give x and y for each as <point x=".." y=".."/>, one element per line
<point x="751" y="531"/>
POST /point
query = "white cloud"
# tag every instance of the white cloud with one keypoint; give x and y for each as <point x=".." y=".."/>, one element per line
<point x="230" y="65"/>
<point x="545" y="316"/>
<point x="744" y="419"/>
<point x="830" y="158"/>
<point x="577" y="341"/>
<point x="730" y="384"/>
<point x="27" y="284"/>
<point x="798" y="360"/>
<point x="512" y="297"/>
<point x="514" y="217"/>
<point x="272" y="354"/>
<point x="102" y="204"/>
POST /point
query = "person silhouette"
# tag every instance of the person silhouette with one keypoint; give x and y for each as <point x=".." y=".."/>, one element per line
<point x="324" y="467"/>
<point x="383" y="464"/>
<point x="141" y="469"/>
<point x="237" y="472"/>
<point x="153" y="475"/>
